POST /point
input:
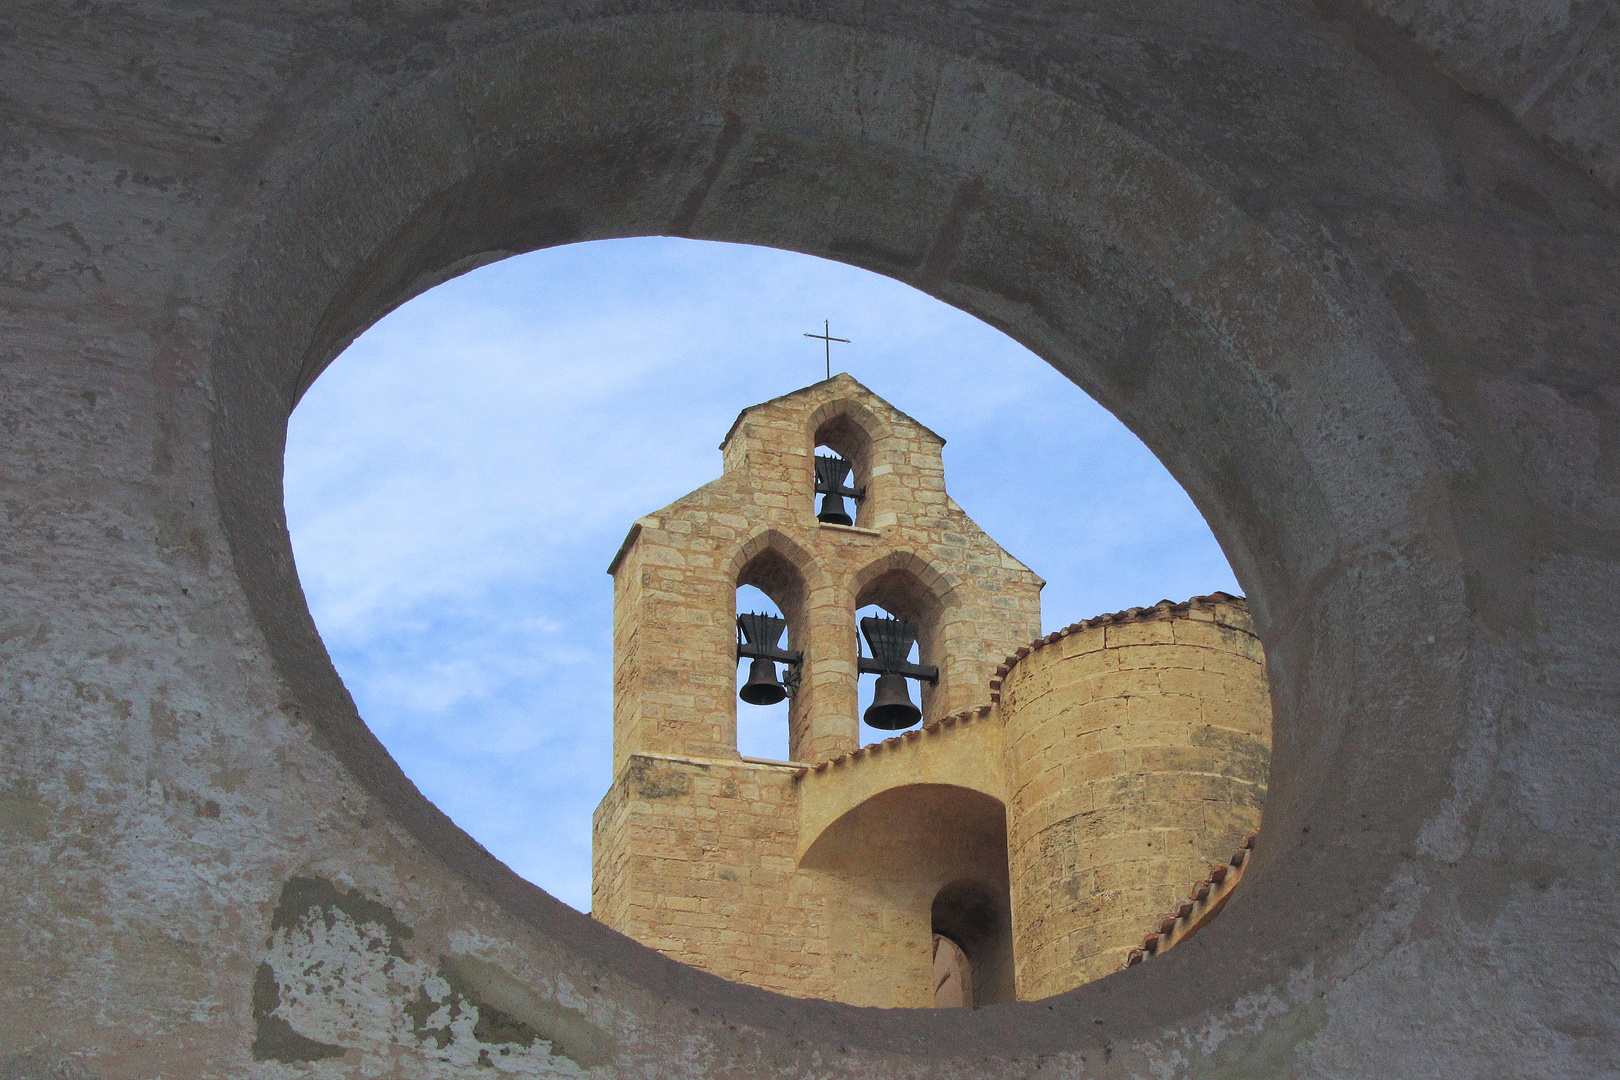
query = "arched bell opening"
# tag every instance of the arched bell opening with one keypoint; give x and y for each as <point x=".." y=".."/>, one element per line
<point x="898" y="624"/>
<point x="842" y="479"/>
<point x="764" y="685"/>
<point x="973" y="945"/>
<point x="772" y="634"/>
<point x="889" y="693"/>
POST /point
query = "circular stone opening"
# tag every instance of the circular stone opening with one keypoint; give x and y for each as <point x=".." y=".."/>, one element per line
<point x="1257" y="376"/>
<point x="457" y="481"/>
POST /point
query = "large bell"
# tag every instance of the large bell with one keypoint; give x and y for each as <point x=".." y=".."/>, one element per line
<point x="891" y="707"/>
<point x="834" y="511"/>
<point x="763" y="687"/>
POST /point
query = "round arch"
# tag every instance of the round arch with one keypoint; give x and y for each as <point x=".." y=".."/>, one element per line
<point x="1238" y="358"/>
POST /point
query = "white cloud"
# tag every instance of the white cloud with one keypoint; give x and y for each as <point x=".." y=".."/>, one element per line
<point x="460" y="477"/>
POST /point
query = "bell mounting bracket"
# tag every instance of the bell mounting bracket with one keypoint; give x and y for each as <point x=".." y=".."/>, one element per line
<point x="890" y="640"/>
<point x="766" y="648"/>
<point x="748" y="651"/>
<point x="826" y="485"/>
<point x="927" y="673"/>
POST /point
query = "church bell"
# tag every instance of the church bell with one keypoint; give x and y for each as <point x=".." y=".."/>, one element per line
<point x="834" y="511"/>
<point x="890" y="641"/>
<point x="761" y="642"/>
<point x="762" y="687"/>
<point x="831" y="472"/>
<point x="891" y="707"/>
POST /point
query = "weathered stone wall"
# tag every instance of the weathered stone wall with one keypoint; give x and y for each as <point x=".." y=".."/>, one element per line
<point x="697" y="859"/>
<point x="701" y="866"/>
<point x="1363" y="314"/>
<point x="697" y="853"/>
<point x="962" y="750"/>
<point x="1137" y="749"/>
<point x="1125" y="754"/>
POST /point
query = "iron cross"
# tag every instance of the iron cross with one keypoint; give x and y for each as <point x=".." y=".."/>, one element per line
<point x="827" y="339"/>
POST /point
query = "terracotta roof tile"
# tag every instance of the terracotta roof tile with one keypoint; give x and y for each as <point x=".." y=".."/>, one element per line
<point x="1186" y="915"/>
<point x="895" y="741"/>
<point x="1164" y="609"/>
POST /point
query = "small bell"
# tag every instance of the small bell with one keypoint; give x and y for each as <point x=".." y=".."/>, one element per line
<point x="891" y="707"/>
<point x="891" y="640"/>
<point x="834" y="511"/>
<point x="762" y="687"/>
<point x="760" y="635"/>
<point x="831" y="472"/>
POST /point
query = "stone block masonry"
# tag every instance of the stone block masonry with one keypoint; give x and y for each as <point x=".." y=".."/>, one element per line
<point x="1045" y="809"/>
<point x="1346" y="268"/>
<point x="1137" y="751"/>
<point x="912" y="550"/>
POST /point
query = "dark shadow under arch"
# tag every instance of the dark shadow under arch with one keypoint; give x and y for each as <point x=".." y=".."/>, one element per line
<point x="953" y="841"/>
<point x="977" y="916"/>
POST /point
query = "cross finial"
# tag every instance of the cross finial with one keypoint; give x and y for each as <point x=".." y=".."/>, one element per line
<point x="827" y="339"/>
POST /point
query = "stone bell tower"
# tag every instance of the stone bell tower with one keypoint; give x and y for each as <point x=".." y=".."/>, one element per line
<point x="909" y="549"/>
<point x="696" y="849"/>
<point x="1050" y="802"/>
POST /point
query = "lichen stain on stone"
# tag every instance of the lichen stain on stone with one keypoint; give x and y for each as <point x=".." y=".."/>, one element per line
<point x="1262" y="1038"/>
<point x="657" y="782"/>
<point x="43" y="1065"/>
<point x="274" y="1039"/>
<point x="335" y="968"/>
<point x="423" y="1008"/>
<point x="511" y="1012"/>
<point x="300" y="894"/>
<point x="23" y="818"/>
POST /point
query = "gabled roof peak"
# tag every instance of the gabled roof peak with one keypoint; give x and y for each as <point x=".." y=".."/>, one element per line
<point x="846" y="385"/>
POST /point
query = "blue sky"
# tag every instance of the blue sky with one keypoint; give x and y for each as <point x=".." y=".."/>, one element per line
<point x="458" y="479"/>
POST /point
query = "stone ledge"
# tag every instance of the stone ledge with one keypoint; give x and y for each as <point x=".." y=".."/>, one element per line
<point x="706" y="762"/>
<point x="848" y="528"/>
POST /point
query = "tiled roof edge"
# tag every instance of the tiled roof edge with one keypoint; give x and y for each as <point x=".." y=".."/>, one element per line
<point x="964" y="717"/>
<point x="1164" y="609"/>
<point x="1205" y="902"/>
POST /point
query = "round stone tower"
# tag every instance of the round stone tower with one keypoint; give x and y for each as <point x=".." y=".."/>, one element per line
<point x="1136" y="749"/>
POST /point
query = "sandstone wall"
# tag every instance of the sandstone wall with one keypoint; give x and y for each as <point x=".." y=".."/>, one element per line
<point x="963" y="750"/>
<point x="696" y="859"/>
<point x="1124" y="756"/>
<point x="1137" y="749"/>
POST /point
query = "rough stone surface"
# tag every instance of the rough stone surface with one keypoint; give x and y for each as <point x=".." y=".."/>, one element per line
<point x="764" y="873"/>
<point x="1361" y="310"/>
<point x="911" y="551"/>
<point x="1136" y="753"/>
<point x="1119" y="757"/>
